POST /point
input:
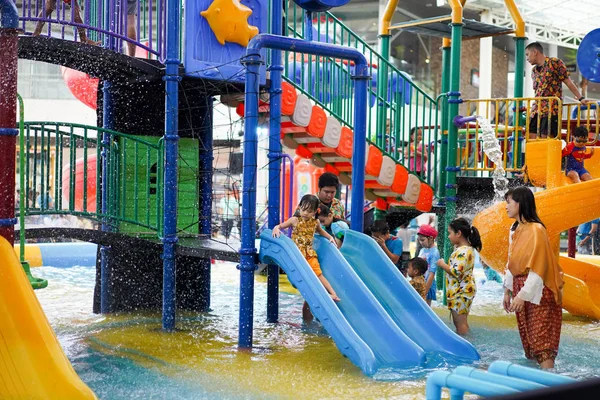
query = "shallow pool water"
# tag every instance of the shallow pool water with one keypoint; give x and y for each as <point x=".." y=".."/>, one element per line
<point x="128" y="357"/>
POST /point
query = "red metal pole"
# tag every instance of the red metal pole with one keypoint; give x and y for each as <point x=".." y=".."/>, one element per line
<point x="8" y="131"/>
<point x="571" y="242"/>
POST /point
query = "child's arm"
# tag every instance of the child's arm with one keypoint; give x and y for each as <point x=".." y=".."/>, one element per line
<point x="568" y="149"/>
<point x="590" y="154"/>
<point x="290" y="222"/>
<point x="324" y="233"/>
<point x="442" y="264"/>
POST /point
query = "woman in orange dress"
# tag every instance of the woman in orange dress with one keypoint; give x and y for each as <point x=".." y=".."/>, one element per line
<point x="533" y="281"/>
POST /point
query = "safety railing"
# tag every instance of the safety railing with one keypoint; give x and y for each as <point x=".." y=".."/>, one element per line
<point x="397" y="106"/>
<point x="513" y="126"/>
<point x="576" y="114"/>
<point x="138" y="22"/>
<point x="64" y="167"/>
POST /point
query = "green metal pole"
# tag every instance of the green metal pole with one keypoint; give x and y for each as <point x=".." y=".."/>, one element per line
<point x="444" y="121"/>
<point x="453" y="102"/>
<point x="382" y="101"/>
<point x="519" y="67"/>
<point x="36" y="283"/>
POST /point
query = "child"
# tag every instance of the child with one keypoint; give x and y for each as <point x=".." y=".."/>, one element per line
<point x="336" y="227"/>
<point x="51" y="6"/>
<point x="415" y="270"/>
<point x="391" y="245"/>
<point x="576" y="153"/>
<point x="417" y="158"/>
<point x="460" y="283"/>
<point x="405" y="234"/>
<point x="303" y="231"/>
<point x="429" y="252"/>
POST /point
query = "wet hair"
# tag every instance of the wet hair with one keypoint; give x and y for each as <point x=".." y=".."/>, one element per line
<point x="581" y="131"/>
<point x="380" y="226"/>
<point x="324" y="210"/>
<point x="419" y="264"/>
<point x="309" y="202"/>
<point x="328" y="179"/>
<point x="535" y="46"/>
<point x="527" y="208"/>
<point x="469" y="232"/>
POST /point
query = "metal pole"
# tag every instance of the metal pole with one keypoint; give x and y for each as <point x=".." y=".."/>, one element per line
<point x="444" y="119"/>
<point x="205" y="166"/>
<point x="252" y="62"/>
<point x="519" y="68"/>
<point x="454" y="100"/>
<point x="171" y="137"/>
<point x="8" y="117"/>
<point x="274" y="158"/>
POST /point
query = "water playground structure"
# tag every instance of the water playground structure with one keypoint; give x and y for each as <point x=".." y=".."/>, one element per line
<point x="145" y="174"/>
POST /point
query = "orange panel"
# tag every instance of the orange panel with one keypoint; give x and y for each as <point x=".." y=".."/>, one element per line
<point x="381" y="204"/>
<point x="344" y="149"/>
<point x="425" y="200"/>
<point x="288" y="98"/>
<point x="303" y="152"/>
<point x="400" y="179"/>
<point x="317" y="147"/>
<point x="374" y="161"/>
<point x="375" y="185"/>
<point x="318" y="122"/>
<point x="289" y="127"/>
<point x="344" y="166"/>
<point x="332" y="169"/>
<point x="239" y="110"/>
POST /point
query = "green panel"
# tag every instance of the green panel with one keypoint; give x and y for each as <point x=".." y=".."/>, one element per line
<point x="142" y="184"/>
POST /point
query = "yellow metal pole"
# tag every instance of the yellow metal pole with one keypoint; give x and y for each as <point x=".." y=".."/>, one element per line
<point x="386" y="21"/>
<point x="516" y="16"/>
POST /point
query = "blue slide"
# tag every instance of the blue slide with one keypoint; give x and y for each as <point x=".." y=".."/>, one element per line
<point x="360" y="326"/>
<point x="404" y="305"/>
<point x="380" y="321"/>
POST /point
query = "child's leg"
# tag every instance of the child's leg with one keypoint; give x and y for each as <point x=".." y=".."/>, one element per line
<point x="330" y="290"/>
<point x="306" y="313"/>
<point x="77" y="19"/>
<point x="586" y="177"/>
<point x="574" y="176"/>
<point x="460" y="322"/>
<point x="50" y="6"/>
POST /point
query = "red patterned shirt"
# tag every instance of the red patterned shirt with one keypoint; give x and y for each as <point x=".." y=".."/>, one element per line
<point x="547" y="82"/>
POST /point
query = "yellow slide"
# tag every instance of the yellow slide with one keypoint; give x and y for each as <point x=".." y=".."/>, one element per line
<point x="32" y="362"/>
<point x="559" y="208"/>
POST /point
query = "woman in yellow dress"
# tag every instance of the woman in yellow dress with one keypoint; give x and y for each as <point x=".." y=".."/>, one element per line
<point x="460" y="283"/>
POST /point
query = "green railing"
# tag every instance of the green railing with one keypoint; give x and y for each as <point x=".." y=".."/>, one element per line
<point x="395" y="107"/>
<point x="63" y="172"/>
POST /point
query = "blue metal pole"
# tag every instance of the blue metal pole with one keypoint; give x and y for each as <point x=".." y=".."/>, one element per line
<point x="107" y="123"/>
<point x="440" y="379"/>
<point x="9" y="18"/>
<point x="247" y="250"/>
<point x="205" y="183"/>
<point x="252" y="62"/>
<point x="105" y="267"/>
<point x="274" y="158"/>
<point x="529" y="374"/>
<point x="169" y="238"/>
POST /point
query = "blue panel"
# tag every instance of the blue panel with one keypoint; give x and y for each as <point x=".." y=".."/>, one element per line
<point x="320" y="5"/>
<point x="402" y="302"/>
<point x="359" y="325"/>
<point x="205" y="57"/>
<point x="64" y="255"/>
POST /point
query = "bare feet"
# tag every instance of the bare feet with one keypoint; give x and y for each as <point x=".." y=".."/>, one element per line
<point x="91" y="42"/>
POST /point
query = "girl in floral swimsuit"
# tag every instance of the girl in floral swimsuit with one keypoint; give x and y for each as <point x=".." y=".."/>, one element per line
<point x="460" y="283"/>
<point x="304" y="228"/>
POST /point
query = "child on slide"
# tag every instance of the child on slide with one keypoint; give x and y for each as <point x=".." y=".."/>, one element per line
<point x="336" y="227"/>
<point x="576" y="153"/>
<point x="304" y="228"/>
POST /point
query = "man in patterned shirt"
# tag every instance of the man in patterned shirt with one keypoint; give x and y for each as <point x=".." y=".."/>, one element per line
<point x="548" y="75"/>
<point x="328" y="186"/>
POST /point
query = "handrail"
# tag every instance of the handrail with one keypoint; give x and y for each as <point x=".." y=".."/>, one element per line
<point x="517" y="18"/>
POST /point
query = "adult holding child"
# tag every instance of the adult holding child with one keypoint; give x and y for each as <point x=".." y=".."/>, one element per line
<point x="533" y="281"/>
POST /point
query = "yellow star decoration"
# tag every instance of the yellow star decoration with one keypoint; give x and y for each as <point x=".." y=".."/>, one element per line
<point x="228" y="20"/>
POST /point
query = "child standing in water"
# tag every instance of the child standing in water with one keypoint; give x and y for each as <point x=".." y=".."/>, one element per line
<point x="430" y="253"/>
<point x="304" y="228"/>
<point x="336" y="227"/>
<point x="460" y="283"/>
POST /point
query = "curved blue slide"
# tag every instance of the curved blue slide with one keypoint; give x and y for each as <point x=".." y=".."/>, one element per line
<point x="400" y="300"/>
<point x="360" y="326"/>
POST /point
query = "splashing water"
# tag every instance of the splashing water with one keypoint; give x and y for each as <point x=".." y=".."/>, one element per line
<point x="492" y="149"/>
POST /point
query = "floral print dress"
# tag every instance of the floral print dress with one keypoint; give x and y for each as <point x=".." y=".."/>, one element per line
<point x="460" y="285"/>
